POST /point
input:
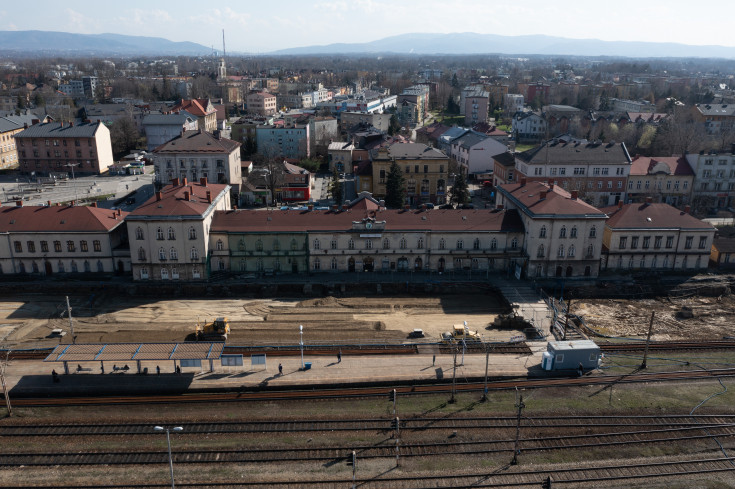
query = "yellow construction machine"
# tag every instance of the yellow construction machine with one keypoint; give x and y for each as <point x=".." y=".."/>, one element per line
<point x="216" y="330"/>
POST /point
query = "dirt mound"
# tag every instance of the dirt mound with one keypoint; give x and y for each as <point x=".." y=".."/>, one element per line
<point x="323" y="301"/>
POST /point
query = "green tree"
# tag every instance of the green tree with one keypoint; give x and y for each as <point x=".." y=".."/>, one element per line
<point x="455" y="81"/>
<point x="460" y="193"/>
<point x="394" y="126"/>
<point x="395" y="187"/>
<point x="335" y="188"/>
<point x="21" y="102"/>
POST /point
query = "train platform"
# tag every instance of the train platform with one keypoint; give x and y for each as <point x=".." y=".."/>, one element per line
<point x="32" y="378"/>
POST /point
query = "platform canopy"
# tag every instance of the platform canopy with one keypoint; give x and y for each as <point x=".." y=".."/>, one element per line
<point x="126" y="352"/>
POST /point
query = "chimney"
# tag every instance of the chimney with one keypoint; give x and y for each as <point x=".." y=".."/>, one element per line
<point x="620" y="204"/>
<point x="98" y="121"/>
<point x="158" y="195"/>
<point x="649" y="200"/>
<point x="48" y="203"/>
<point x="71" y="123"/>
<point x="209" y="196"/>
<point x="119" y="212"/>
<point x="19" y="203"/>
<point x="203" y="181"/>
<point x="187" y="195"/>
<point x="310" y="207"/>
<point x="499" y="207"/>
<point x="687" y="209"/>
<point x="71" y="203"/>
<point x="94" y="204"/>
<point x="574" y="193"/>
<point x="25" y="125"/>
<point x="186" y="182"/>
<point x="175" y="182"/>
<point x="523" y="181"/>
<point x="542" y="195"/>
<point x="182" y="132"/>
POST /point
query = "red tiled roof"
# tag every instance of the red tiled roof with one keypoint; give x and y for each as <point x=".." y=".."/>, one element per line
<point x="396" y="220"/>
<point x="644" y="165"/>
<point x="555" y="201"/>
<point x="197" y="107"/>
<point x="58" y="219"/>
<point x="652" y="216"/>
<point x="173" y="201"/>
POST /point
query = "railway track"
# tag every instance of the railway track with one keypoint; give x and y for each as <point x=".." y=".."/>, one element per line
<point x="373" y="425"/>
<point x="668" y="346"/>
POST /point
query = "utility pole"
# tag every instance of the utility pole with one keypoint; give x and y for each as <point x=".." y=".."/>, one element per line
<point x="354" y="469"/>
<point x="648" y="340"/>
<point x="71" y="323"/>
<point x="520" y="407"/>
<point x="454" y="377"/>
<point x="487" y="361"/>
<point x="566" y="322"/>
<point x="5" y="388"/>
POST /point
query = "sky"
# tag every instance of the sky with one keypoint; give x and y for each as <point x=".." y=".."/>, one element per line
<point x="260" y="27"/>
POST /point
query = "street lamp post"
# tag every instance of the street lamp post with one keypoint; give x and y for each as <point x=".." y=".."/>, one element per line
<point x="301" y="343"/>
<point x="73" y="181"/>
<point x="168" y="441"/>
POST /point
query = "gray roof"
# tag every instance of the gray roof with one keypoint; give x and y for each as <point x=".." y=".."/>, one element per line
<point x="166" y="119"/>
<point x="56" y="129"/>
<point x="23" y="118"/>
<point x="109" y="109"/>
<point x="8" y="125"/>
<point x="555" y="152"/>
<point x="470" y="139"/>
<point x="717" y="109"/>
<point x="453" y="133"/>
<point x="414" y="150"/>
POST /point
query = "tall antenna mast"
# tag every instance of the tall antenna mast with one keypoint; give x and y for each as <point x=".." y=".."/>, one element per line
<point x="224" y="50"/>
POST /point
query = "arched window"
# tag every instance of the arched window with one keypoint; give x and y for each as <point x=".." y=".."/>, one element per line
<point x="161" y="253"/>
<point x="442" y="244"/>
<point x="159" y="234"/>
<point x="171" y="233"/>
<point x="139" y="233"/>
<point x="570" y="253"/>
<point x="164" y="274"/>
<point x="259" y="264"/>
<point x="100" y="267"/>
<point x="73" y="267"/>
<point x="87" y="267"/>
<point x="294" y="245"/>
<point x="476" y="244"/>
<point x="277" y="265"/>
<point x="141" y="254"/>
<point x="493" y="244"/>
<point x="334" y="264"/>
<point x="542" y="232"/>
<point x="593" y="232"/>
<point x="333" y="244"/>
<point x="243" y="265"/>
<point x="317" y="264"/>
<point x="194" y="254"/>
<point x="540" y="253"/>
<point x="386" y="244"/>
<point x="276" y="245"/>
<point x="317" y="244"/>
<point x="573" y="232"/>
<point x="192" y="233"/>
<point x="221" y="265"/>
<point x="259" y="245"/>
<point x="34" y="266"/>
<point x="420" y="243"/>
<point x="61" y="266"/>
<point x="403" y="244"/>
<point x="561" y="251"/>
<point x="351" y="244"/>
<point x="173" y="254"/>
<point x="563" y="232"/>
<point x="23" y="267"/>
<point x="368" y="244"/>
<point x="460" y="244"/>
<point x="220" y="245"/>
<point x="590" y="251"/>
<point x="514" y="244"/>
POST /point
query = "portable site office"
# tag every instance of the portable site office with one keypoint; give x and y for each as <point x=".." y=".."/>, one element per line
<point x="569" y="355"/>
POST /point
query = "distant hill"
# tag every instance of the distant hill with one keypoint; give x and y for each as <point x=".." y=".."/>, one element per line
<point x="472" y="43"/>
<point x="47" y="42"/>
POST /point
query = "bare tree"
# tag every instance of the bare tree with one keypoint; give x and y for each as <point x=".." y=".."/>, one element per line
<point x="680" y="134"/>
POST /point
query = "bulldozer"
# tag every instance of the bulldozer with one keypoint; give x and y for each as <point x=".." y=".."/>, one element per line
<point x="216" y="330"/>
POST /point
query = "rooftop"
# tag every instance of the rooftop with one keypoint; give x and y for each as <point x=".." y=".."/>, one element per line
<point x="556" y="152"/>
<point x="58" y="219"/>
<point x="536" y="199"/>
<point x="60" y="130"/>
<point x="652" y="216"/>
<point x="671" y="165"/>
<point x="198" y="141"/>
<point x="174" y="203"/>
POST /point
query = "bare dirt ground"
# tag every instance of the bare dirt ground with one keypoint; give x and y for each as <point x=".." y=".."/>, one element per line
<point x="713" y="317"/>
<point x="253" y="321"/>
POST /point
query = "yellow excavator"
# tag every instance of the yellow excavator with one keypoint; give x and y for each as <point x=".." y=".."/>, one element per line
<point x="217" y="330"/>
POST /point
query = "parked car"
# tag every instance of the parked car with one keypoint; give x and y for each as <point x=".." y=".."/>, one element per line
<point x="416" y="333"/>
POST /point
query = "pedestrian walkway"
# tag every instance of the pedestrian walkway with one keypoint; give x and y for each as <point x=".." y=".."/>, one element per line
<point x="530" y="304"/>
<point x="33" y="378"/>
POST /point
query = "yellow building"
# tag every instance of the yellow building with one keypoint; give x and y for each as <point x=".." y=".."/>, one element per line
<point x="8" y="153"/>
<point x="425" y="170"/>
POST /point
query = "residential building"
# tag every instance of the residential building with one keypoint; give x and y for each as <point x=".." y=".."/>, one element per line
<point x="419" y="95"/>
<point x="201" y="109"/>
<point x="8" y="151"/>
<point x="89" y="85"/>
<point x="598" y="172"/>
<point x="559" y="118"/>
<point x="563" y="233"/>
<point x="109" y="113"/>
<point x="339" y="156"/>
<point x="425" y="170"/>
<point x="513" y="103"/>
<point x="243" y="129"/>
<point x="291" y="141"/>
<point x="408" y="113"/>
<point x="652" y="236"/>
<point x="528" y="127"/>
<point x="58" y="146"/>
<point x="322" y="130"/>
<point x="46" y="240"/>
<point x="476" y="106"/>
<point x="162" y="128"/>
<point x="474" y="154"/>
<point x="504" y="166"/>
<point x="492" y="131"/>
<point x="723" y="248"/>
<point x="717" y="118"/>
<point x="198" y="154"/>
<point x="169" y="233"/>
<point x="714" y="179"/>
<point x="381" y="122"/>
<point x="261" y="103"/>
<point x="295" y="100"/>
<point x="664" y="179"/>
<point x="620" y="106"/>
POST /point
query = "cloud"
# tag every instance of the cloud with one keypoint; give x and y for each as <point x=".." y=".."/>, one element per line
<point x="78" y="22"/>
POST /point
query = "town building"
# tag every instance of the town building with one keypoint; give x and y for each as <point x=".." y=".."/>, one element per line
<point x="476" y="105"/>
<point x="55" y="147"/>
<point x="198" y="154"/>
<point x="169" y="233"/>
<point x="8" y="150"/>
<point x="528" y="127"/>
<point x="663" y="179"/>
<point x="563" y="233"/>
<point x="201" y="109"/>
<point x="647" y="236"/>
<point x="723" y="248"/>
<point x="419" y="95"/>
<point x="714" y="179"/>
<point x="598" y="172"/>
<point x="513" y="103"/>
<point x="717" y="118"/>
<point x="261" y="103"/>
<point x="474" y="154"/>
<point x="288" y="141"/>
<point x="620" y="106"/>
<point x="381" y="122"/>
<point x="504" y="166"/>
<point x="48" y="240"/>
<point x="425" y="170"/>
<point x="162" y="128"/>
<point x="339" y="156"/>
